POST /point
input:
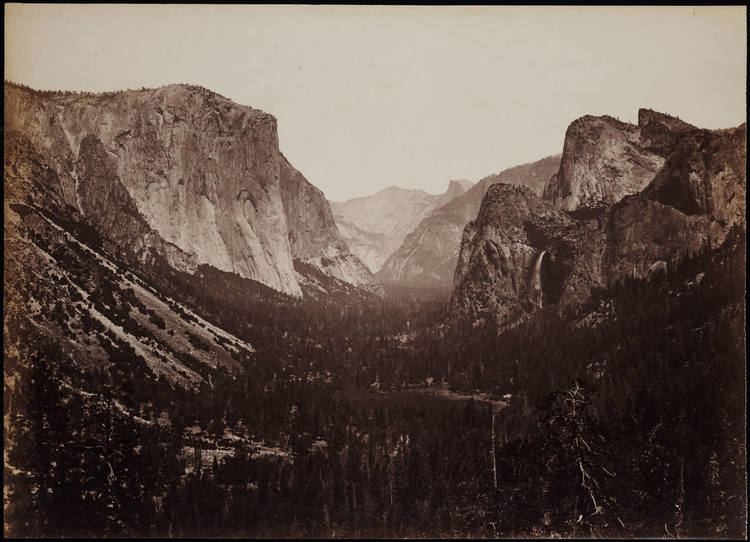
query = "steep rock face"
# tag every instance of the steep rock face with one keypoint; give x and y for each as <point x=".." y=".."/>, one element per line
<point x="370" y="247"/>
<point x="704" y="175"/>
<point x="642" y="233"/>
<point x="660" y="132"/>
<point x="27" y="177"/>
<point x="374" y="226"/>
<point x="515" y="256"/>
<point x="428" y="255"/>
<point x="455" y="189"/>
<point x="105" y="203"/>
<point x="202" y="171"/>
<point x="313" y="236"/>
<point x="603" y="160"/>
<point x="36" y="121"/>
<point x="692" y="201"/>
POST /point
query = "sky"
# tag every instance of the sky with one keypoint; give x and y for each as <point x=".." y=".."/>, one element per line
<point x="372" y="97"/>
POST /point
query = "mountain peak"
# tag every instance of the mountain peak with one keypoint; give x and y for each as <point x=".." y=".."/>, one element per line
<point x="400" y="189"/>
<point x="375" y="226"/>
<point x="675" y="124"/>
<point x="605" y="159"/>
<point x="455" y="189"/>
<point x="458" y="186"/>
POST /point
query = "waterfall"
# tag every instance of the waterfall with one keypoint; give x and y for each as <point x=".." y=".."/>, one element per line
<point x="536" y="279"/>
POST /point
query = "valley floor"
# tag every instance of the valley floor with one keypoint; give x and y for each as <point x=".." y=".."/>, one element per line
<point x="235" y="413"/>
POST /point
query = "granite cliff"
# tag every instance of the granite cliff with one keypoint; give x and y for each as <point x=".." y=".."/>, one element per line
<point x="189" y="173"/>
<point x="605" y="159"/>
<point x="627" y="200"/>
<point x="693" y="201"/>
<point x="428" y="255"/>
<point x="503" y="249"/>
<point x="313" y="237"/>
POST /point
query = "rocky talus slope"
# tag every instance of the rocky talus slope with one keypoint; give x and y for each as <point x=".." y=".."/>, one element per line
<point x="428" y="255"/>
<point x="180" y="169"/>
<point x="62" y="289"/>
<point x="626" y="201"/>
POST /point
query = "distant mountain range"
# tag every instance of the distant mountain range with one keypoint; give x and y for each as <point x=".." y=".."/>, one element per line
<point x="375" y="226"/>
<point x="428" y="255"/>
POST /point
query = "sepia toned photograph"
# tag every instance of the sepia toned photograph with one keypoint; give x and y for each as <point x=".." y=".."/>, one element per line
<point x="374" y="272"/>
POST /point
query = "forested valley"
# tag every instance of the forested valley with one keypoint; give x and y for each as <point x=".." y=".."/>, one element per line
<point x="358" y="416"/>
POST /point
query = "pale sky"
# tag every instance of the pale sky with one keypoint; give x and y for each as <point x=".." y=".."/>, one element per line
<point x="370" y="97"/>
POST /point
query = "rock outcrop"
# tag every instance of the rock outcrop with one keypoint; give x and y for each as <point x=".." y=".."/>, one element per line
<point x="313" y="236"/>
<point x="692" y="202"/>
<point x="627" y="200"/>
<point x="514" y="255"/>
<point x="603" y="160"/>
<point x="704" y="175"/>
<point x="27" y="177"/>
<point x="428" y="255"/>
<point x="455" y="189"/>
<point x="107" y="206"/>
<point x="203" y="173"/>
<point x="375" y="226"/>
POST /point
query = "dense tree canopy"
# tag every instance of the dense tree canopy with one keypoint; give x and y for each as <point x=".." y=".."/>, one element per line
<point x="380" y="417"/>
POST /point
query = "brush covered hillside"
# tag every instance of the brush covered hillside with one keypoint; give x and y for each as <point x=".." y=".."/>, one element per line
<point x="149" y="393"/>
